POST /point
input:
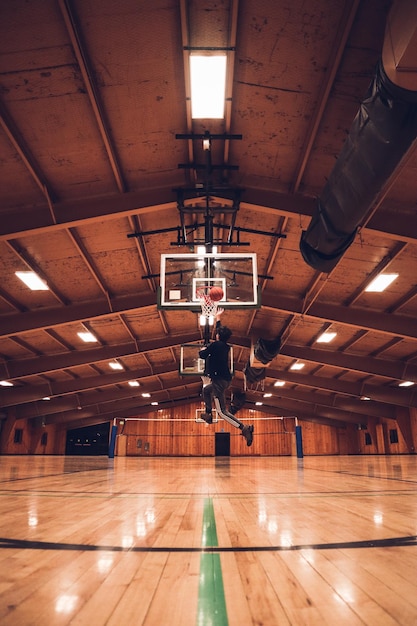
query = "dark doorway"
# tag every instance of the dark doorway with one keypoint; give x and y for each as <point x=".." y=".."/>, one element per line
<point x="222" y="444"/>
<point x="88" y="441"/>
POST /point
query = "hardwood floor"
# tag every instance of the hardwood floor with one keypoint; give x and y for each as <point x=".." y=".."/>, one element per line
<point x="208" y="541"/>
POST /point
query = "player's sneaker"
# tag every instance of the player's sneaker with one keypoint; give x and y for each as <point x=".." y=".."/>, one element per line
<point x="207" y="417"/>
<point x="247" y="432"/>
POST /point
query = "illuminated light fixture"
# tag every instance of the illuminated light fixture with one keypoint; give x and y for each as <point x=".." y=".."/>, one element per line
<point x="46" y="398"/>
<point x="279" y="383"/>
<point x="208" y="86"/>
<point x="87" y="337"/>
<point x="115" y="365"/>
<point x="326" y="337"/>
<point x="154" y="403"/>
<point x="6" y="383"/>
<point x="258" y="403"/>
<point x="267" y="395"/>
<point x="203" y="250"/>
<point x="381" y="282"/>
<point x="297" y="366"/>
<point x="203" y="320"/>
<point x="364" y="398"/>
<point x="33" y="281"/>
<point x="133" y="383"/>
<point x="406" y="383"/>
<point x="146" y="395"/>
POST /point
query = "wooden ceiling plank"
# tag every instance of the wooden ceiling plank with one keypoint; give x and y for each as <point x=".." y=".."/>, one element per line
<point x="340" y="40"/>
<point x="22" y="150"/>
<point x="93" y="94"/>
<point x="33" y="266"/>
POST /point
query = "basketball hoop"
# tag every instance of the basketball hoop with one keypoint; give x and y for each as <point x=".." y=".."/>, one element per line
<point x="208" y="306"/>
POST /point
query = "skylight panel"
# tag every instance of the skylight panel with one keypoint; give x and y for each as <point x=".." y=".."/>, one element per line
<point x="208" y="86"/>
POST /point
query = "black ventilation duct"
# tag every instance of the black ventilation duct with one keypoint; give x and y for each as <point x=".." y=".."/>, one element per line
<point x="264" y="351"/>
<point x="381" y="133"/>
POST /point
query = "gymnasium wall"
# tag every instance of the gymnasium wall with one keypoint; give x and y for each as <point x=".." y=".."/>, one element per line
<point x="174" y="432"/>
<point x="30" y="437"/>
<point x="180" y="435"/>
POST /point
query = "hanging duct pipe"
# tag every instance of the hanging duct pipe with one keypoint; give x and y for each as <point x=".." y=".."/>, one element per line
<point x="382" y="132"/>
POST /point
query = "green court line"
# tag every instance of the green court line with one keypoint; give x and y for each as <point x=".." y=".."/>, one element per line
<point x="211" y="601"/>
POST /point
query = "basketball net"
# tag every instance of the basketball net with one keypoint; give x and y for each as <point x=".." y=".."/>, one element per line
<point x="208" y="306"/>
<point x="208" y="315"/>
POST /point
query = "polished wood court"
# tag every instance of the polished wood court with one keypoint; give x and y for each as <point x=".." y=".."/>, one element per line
<point x="208" y="541"/>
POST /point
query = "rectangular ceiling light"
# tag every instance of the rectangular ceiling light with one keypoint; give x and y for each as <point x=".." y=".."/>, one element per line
<point x="326" y="337"/>
<point x="115" y="365"/>
<point x="279" y="383"/>
<point x="87" y="337"/>
<point x="381" y="282"/>
<point x="208" y="86"/>
<point x="33" y="281"/>
<point x="406" y="383"/>
<point x="297" y="366"/>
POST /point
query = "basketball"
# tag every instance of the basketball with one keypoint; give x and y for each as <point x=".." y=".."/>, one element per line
<point x="216" y="293"/>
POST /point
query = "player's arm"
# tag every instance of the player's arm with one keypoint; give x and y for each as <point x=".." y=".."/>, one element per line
<point x="219" y="313"/>
<point x="204" y="352"/>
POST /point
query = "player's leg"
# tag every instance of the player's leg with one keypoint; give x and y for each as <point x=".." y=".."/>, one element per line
<point x="219" y="388"/>
<point x="207" y="397"/>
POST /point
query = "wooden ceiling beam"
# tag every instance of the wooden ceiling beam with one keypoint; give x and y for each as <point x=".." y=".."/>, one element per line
<point x="390" y="324"/>
<point x="36" y="219"/>
<point x="21" y="368"/>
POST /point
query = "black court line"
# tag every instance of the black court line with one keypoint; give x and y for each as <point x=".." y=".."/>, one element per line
<point x="53" y="475"/>
<point x="63" y="493"/>
<point x="22" y="544"/>
<point x="363" y="475"/>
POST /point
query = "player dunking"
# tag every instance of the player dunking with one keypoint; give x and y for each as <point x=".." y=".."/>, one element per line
<point x="216" y="357"/>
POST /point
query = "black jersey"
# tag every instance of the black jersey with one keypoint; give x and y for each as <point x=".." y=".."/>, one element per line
<point x="216" y="356"/>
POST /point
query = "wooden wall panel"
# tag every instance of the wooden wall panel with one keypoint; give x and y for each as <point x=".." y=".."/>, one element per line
<point x="348" y="439"/>
<point x="27" y="437"/>
<point x="319" y="439"/>
<point x="180" y="435"/>
<point x="174" y="432"/>
<point x="393" y="448"/>
<point x="413" y="424"/>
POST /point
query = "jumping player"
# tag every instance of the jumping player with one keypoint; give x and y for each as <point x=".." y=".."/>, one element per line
<point x="216" y="357"/>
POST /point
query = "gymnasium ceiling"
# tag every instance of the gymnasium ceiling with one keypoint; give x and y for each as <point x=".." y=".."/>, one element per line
<point x="93" y="94"/>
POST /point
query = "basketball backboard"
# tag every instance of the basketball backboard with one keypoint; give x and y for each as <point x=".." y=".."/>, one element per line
<point x="190" y="362"/>
<point x="184" y="275"/>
